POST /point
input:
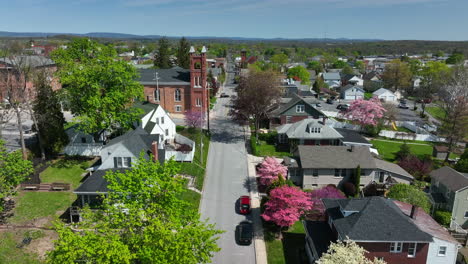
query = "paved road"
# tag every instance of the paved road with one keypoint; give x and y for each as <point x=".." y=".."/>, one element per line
<point x="225" y="181"/>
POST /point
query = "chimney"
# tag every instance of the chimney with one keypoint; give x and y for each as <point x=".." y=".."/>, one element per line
<point x="154" y="149"/>
<point x="324" y="120"/>
<point x="414" y="211"/>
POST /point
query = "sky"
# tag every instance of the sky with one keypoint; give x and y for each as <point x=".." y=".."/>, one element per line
<point x="356" y="19"/>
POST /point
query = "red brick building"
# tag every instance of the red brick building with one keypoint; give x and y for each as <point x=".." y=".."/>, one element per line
<point x="178" y="90"/>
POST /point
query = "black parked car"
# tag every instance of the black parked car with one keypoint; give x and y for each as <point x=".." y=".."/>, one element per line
<point x="223" y="95"/>
<point x="329" y="101"/>
<point x="342" y="107"/>
<point x="244" y="232"/>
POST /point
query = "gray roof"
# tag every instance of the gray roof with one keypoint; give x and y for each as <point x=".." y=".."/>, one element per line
<point x="351" y="136"/>
<point x="331" y="76"/>
<point x="335" y="157"/>
<point x="146" y="106"/>
<point x="451" y="178"/>
<point x="376" y="219"/>
<point x="349" y="86"/>
<point x="95" y="183"/>
<point x="381" y="91"/>
<point x="29" y="60"/>
<point x="304" y="130"/>
<point x="173" y="76"/>
<point x="391" y="167"/>
<point x="293" y="101"/>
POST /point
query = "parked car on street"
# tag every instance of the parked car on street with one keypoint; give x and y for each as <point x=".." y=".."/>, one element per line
<point x="244" y="232"/>
<point x="223" y="95"/>
<point x="342" y="107"/>
<point x="403" y="106"/>
<point x="244" y="204"/>
<point x="329" y="101"/>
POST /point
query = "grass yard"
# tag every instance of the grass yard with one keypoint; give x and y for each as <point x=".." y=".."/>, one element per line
<point x="288" y="250"/>
<point x="33" y="205"/>
<point x="10" y="254"/>
<point x="388" y="149"/>
<point x="368" y="96"/>
<point x="436" y="112"/>
<point x="264" y="149"/>
<point x="192" y="197"/>
<point x="65" y="171"/>
<point x="197" y="167"/>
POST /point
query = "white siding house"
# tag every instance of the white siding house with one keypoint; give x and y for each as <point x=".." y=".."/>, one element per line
<point x="352" y="92"/>
<point x="385" y="95"/>
<point x="157" y="121"/>
<point x="436" y="248"/>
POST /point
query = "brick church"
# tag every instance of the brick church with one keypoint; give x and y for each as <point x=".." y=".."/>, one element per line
<point x="178" y="90"/>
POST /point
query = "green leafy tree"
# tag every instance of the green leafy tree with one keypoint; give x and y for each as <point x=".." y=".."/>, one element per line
<point x="318" y="85"/>
<point x="404" y="152"/>
<point x="13" y="170"/>
<point x="144" y="217"/>
<point x="456" y="58"/>
<point x="316" y="66"/>
<point x="397" y="75"/>
<point x="281" y="181"/>
<point x="434" y="75"/>
<point x="99" y="87"/>
<point x="462" y="164"/>
<point x="409" y="194"/>
<point x="347" y="70"/>
<point x="183" y="56"/>
<point x="279" y="59"/>
<point x="415" y="66"/>
<point x="49" y="116"/>
<point x="300" y="73"/>
<point x="162" y="60"/>
<point x="360" y="66"/>
<point x="339" y="64"/>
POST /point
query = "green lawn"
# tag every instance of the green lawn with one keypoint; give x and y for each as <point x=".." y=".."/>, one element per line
<point x="31" y="205"/>
<point x="264" y="149"/>
<point x="388" y="149"/>
<point x="436" y="112"/>
<point x="10" y="254"/>
<point x="192" y="197"/>
<point x="65" y="171"/>
<point x="197" y="167"/>
<point x="288" y="250"/>
<point x="367" y="96"/>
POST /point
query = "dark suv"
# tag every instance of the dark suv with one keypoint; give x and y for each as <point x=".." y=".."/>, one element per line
<point x="244" y="231"/>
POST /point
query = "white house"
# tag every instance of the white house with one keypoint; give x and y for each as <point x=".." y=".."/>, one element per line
<point x="157" y="121"/>
<point x="385" y="95"/>
<point x="332" y="79"/>
<point x="352" y="92"/>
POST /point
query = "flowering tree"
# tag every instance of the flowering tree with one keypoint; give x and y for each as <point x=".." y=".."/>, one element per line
<point x="324" y="192"/>
<point x="347" y="252"/>
<point x="416" y="167"/>
<point x="286" y="206"/>
<point x="194" y="118"/>
<point x="269" y="171"/>
<point x="365" y="112"/>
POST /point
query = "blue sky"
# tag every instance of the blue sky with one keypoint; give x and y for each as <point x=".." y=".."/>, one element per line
<point x="382" y="19"/>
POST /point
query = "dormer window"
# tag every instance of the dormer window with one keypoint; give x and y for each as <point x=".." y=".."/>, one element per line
<point x="300" y="108"/>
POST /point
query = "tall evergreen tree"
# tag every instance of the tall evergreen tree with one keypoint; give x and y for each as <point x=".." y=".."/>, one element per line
<point x="183" y="56"/>
<point x="162" y="59"/>
<point x="49" y="116"/>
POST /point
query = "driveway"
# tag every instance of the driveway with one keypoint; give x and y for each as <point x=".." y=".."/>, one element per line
<point x="225" y="181"/>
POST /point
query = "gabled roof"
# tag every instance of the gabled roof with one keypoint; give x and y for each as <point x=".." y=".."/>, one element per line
<point x="351" y="136"/>
<point x="95" y="183"/>
<point x="304" y="128"/>
<point x="382" y="91"/>
<point x="348" y="77"/>
<point x="377" y="219"/>
<point x="335" y="157"/>
<point x="331" y="76"/>
<point x="146" y="106"/>
<point x="451" y="178"/>
<point x="172" y="76"/>
<point x="294" y="100"/>
<point x="350" y="86"/>
<point x="391" y="167"/>
<point x="371" y="75"/>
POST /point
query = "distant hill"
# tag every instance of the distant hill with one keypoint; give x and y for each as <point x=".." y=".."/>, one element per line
<point x="132" y="36"/>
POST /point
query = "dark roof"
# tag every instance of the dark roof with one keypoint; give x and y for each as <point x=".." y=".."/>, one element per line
<point x="352" y="136"/>
<point x="451" y="178"/>
<point x="294" y="100"/>
<point x="371" y="75"/>
<point x="348" y="77"/>
<point x="95" y="183"/>
<point x="145" y="106"/>
<point x="173" y="76"/>
<point x="331" y="157"/>
<point x="377" y="219"/>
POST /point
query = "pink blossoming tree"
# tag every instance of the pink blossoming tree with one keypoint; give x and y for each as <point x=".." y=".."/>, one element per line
<point x="324" y="192"/>
<point x="365" y="112"/>
<point x="269" y="170"/>
<point x="194" y="119"/>
<point x="286" y="206"/>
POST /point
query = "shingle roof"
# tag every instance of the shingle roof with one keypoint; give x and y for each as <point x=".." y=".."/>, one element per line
<point x="451" y="178"/>
<point x="351" y="136"/>
<point x="381" y="91"/>
<point x="30" y="60"/>
<point x="349" y="86"/>
<point x="304" y="128"/>
<point x="292" y="102"/>
<point x="331" y="157"/>
<point x="391" y="167"/>
<point x="173" y="76"/>
<point x="378" y="219"/>
<point x="331" y="76"/>
<point x="95" y="183"/>
<point x="146" y="106"/>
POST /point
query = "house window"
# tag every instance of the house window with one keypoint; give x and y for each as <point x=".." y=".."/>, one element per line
<point x="315" y="172"/>
<point x="122" y="162"/>
<point x="396" y="247"/>
<point x="178" y="108"/>
<point x="157" y="120"/>
<point x="442" y="251"/>
<point x="337" y="172"/>
<point x="167" y="132"/>
<point x="83" y="140"/>
<point x="157" y="95"/>
<point x="300" y="108"/>
<point x="177" y="96"/>
<point x="198" y="102"/>
<point x="466" y="214"/>
<point x="162" y="120"/>
<point x="288" y="119"/>
<point x="412" y="250"/>
<point x="343" y="172"/>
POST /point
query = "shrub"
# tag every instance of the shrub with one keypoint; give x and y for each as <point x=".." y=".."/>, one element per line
<point x="253" y="145"/>
<point x="349" y="189"/>
<point x="270" y="138"/>
<point x="443" y="217"/>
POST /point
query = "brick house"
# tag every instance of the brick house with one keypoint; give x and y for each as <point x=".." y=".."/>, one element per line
<point x="295" y="109"/>
<point x="393" y="231"/>
<point x="178" y="90"/>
